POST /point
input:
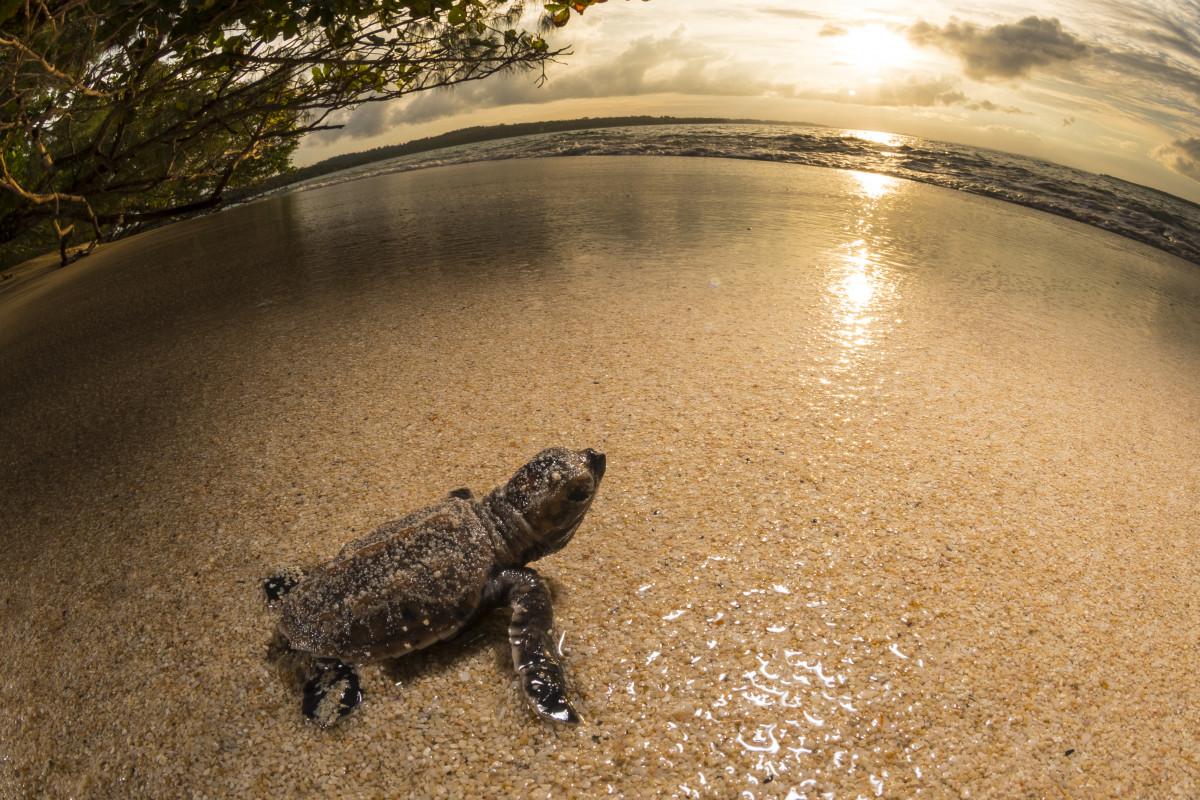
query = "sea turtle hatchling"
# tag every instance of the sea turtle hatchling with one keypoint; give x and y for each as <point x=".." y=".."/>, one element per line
<point x="422" y="578"/>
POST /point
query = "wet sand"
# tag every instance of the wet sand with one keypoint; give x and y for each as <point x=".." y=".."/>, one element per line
<point x="901" y="499"/>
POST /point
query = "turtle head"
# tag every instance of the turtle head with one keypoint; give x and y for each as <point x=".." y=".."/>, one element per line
<point x="550" y="495"/>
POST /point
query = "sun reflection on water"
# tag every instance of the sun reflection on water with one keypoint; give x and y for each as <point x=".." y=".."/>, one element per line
<point x="781" y="690"/>
<point x="858" y="287"/>
<point x="874" y="185"/>
<point x="863" y="284"/>
<point x="878" y="137"/>
<point x="817" y="720"/>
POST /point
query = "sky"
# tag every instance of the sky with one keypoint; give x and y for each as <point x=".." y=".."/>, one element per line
<point x="1102" y="85"/>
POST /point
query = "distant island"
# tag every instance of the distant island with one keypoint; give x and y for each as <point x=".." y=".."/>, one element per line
<point x="479" y="133"/>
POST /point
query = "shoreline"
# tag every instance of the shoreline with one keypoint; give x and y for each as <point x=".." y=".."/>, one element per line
<point x="424" y="148"/>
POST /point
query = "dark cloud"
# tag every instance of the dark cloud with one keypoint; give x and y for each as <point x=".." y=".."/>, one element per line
<point x="1002" y="51"/>
<point x="371" y="119"/>
<point x="829" y="29"/>
<point x="1183" y="156"/>
<point x="364" y="121"/>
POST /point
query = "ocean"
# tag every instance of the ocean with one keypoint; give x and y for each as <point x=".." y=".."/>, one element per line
<point x="1146" y="215"/>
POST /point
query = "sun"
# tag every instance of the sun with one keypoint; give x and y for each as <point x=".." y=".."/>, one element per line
<point x="875" y="47"/>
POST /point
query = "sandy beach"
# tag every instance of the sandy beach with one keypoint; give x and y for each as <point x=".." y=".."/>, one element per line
<point x="902" y="491"/>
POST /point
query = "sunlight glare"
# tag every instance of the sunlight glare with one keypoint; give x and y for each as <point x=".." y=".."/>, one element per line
<point x="857" y="288"/>
<point x="874" y="185"/>
<point x="874" y="47"/>
<point x="856" y="292"/>
<point x="860" y="289"/>
<point x="878" y="137"/>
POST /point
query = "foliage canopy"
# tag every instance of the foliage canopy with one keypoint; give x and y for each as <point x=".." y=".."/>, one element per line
<point x="116" y="113"/>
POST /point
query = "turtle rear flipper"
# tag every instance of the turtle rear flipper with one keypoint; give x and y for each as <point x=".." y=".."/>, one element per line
<point x="330" y="688"/>
<point x="332" y="693"/>
<point x="463" y="493"/>
<point x="542" y="676"/>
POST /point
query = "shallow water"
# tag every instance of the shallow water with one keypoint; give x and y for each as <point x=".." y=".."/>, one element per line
<point x="901" y="498"/>
<point x="1136" y="212"/>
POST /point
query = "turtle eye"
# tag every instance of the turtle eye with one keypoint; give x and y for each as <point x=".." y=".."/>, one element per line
<point x="579" y="494"/>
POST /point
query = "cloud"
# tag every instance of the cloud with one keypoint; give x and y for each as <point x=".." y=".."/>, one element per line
<point x="1165" y="77"/>
<point x="1117" y="75"/>
<point x="829" y="29"/>
<point x="1183" y="156"/>
<point x="1114" y="143"/>
<point x="363" y="121"/>
<point x="1016" y="133"/>
<point x="1144" y="87"/>
<point x="1002" y="51"/>
<point x="371" y="119"/>
<point x="1172" y="28"/>
<point x="1181" y="40"/>
<point x="911" y="92"/>
<point x="988" y="105"/>
<point x="670" y="64"/>
<point x="790" y="13"/>
<point x="649" y="65"/>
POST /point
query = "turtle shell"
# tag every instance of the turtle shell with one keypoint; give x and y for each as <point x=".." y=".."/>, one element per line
<point x="404" y="586"/>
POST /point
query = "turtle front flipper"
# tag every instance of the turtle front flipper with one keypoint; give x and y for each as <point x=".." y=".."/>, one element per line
<point x="542" y="676"/>
<point x="463" y="494"/>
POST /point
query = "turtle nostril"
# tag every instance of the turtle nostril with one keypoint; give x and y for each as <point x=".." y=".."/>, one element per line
<point x="596" y="462"/>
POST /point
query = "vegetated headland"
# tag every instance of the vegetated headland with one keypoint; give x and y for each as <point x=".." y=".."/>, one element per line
<point x="17" y="252"/>
<point x="477" y="133"/>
